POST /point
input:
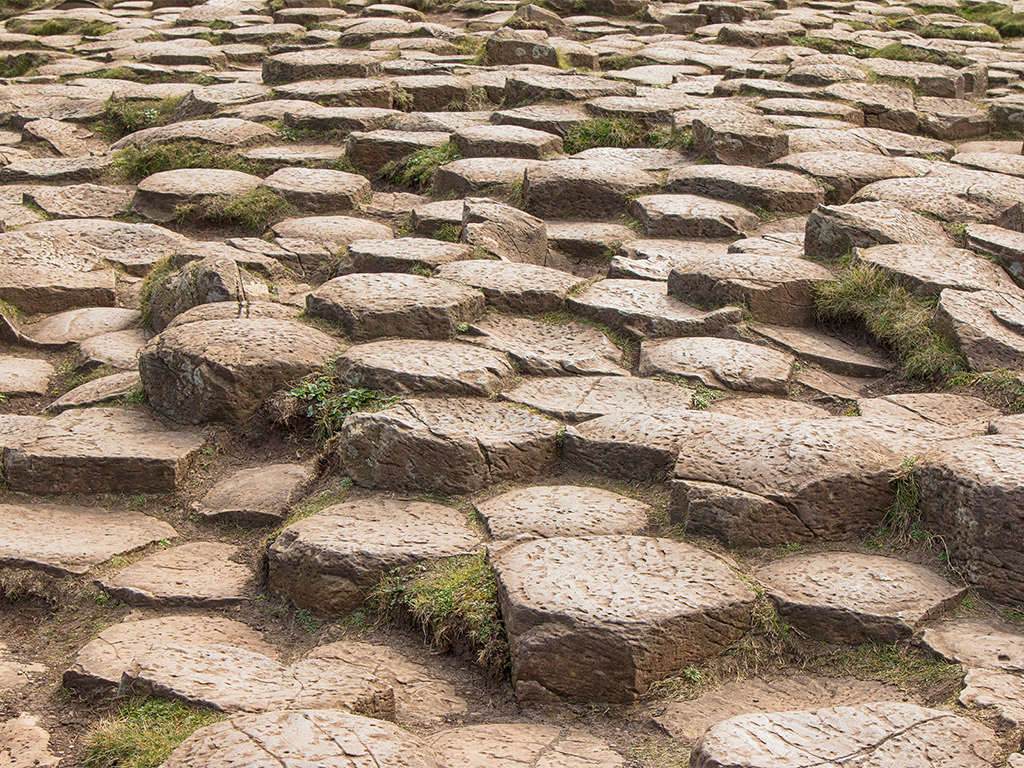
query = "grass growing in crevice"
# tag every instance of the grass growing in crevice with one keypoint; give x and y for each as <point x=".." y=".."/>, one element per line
<point x="20" y="64"/>
<point x="980" y="33"/>
<point x="1000" y="17"/>
<point x="621" y="133"/>
<point x="123" y="117"/>
<point x="450" y="233"/>
<point x="62" y="26"/>
<point x="901" y="52"/>
<point x="898" y="319"/>
<point x="143" y="732"/>
<point x="828" y="45"/>
<point x="133" y="164"/>
<point x="417" y="170"/>
<point x="253" y="211"/>
<point x="327" y="405"/>
<point x="455" y="602"/>
<point x="901" y="525"/>
<point x="153" y="278"/>
<point x="900" y="665"/>
<point x="1003" y="387"/>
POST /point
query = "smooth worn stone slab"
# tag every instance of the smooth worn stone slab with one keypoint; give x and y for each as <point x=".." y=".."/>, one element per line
<point x="527" y="289"/>
<point x="776" y="289"/>
<point x="970" y="495"/>
<point x="24" y="376"/>
<point x="549" y="349"/>
<point x="421" y="696"/>
<point x="780" y="481"/>
<point x="644" y="308"/>
<point x="561" y="510"/>
<point x="846" y="597"/>
<point x="235" y="310"/>
<point x="258" y="496"/>
<point x="583" y="189"/>
<point x="575" y="399"/>
<point x="402" y="254"/>
<point x="332" y="231"/>
<point x="452" y="446"/>
<point x="720" y="363"/>
<point x="523" y="745"/>
<point x="196" y="573"/>
<point x="987" y="327"/>
<point x="506" y="141"/>
<point x="772" y="190"/>
<point x="23" y="744"/>
<point x="929" y="269"/>
<point x="995" y="693"/>
<point x="834" y="231"/>
<point x="369" y="306"/>
<point x="227" y="131"/>
<point x="77" y="325"/>
<point x="332" y="560"/>
<point x="408" y="365"/>
<point x="233" y="679"/>
<point x="687" y="720"/>
<point x="603" y="617"/>
<point x="330" y="737"/>
<point x="71" y="540"/>
<point x="319" y="190"/>
<point x="223" y="370"/>
<point x="690" y="216"/>
<point x="975" y="643"/>
<point x="884" y="733"/>
<point x="160" y="196"/>
<point x="321" y="63"/>
<point x="830" y="353"/>
<point x="99" y="664"/>
<point x="118" y="349"/>
<point x="80" y="201"/>
<point x="94" y="450"/>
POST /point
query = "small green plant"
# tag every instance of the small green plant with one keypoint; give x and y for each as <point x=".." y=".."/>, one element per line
<point x="143" y="732"/>
<point x="153" y="278"/>
<point x="901" y="52"/>
<point x="253" y="211"/>
<point x="327" y="408"/>
<point x="455" y="601"/>
<point x="899" y="665"/>
<point x="124" y="117"/>
<point x="894" y="316"/>
<point x="417" y="170"/>
<point x="448" y="232"/>
<point x="63" y="26"/>
<point x="20" y="64"/>
<point x="1004" y="387"/>
<point x="704" y="396"/>
<point x="902" y="521"/>
<point x="621" y="133"/>
<point x="133" y="164"/>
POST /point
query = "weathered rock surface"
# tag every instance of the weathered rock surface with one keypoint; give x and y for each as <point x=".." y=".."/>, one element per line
<point x="561" y="510"/>
<point x="523" y="745"/>
<point x="575" y="399"/>
<point x="721" y="363"/>
<point x="23" y="744"/>
<point x="258" y="496"/>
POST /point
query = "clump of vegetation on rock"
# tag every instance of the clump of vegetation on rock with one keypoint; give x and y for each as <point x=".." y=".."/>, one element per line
<point x="143" y="732"/>
<point x="998" y="16"/>
<point x="455" y="601"/>
<point x="133" y="164"/>
<point x="621" y="133"/>
<point x="417" y="170"/>
<point x="327" y="406"/>
<point x="124" y="117"/>
<point x="254" y="211"/>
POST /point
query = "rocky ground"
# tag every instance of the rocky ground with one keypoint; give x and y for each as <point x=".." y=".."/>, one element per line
<point x="576" y="384"/>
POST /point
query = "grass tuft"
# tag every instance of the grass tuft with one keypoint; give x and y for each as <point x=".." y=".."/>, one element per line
<point x="906" y="668"/>
<point x="327" y="407"/>
<point x="417" y="170"/>
<point x="1003" y="387"/>
<point x="455" y="601"/>
<point x="124" y="117"/>
<point x="998" y="16"/>
<point x="895" y="317"/>
<point x="979" y="33"/>
<point x="450" y="233"/>
<point x="253" y="211"/>
<point x="63" y="26"/>
<point x="144" y="732"/>
<point x="621" y="133"/>
<point x="901" y="52"/>
<point x="153" y="278"/>
<point x="901" y="525"/>
<point x="133" y="164"/>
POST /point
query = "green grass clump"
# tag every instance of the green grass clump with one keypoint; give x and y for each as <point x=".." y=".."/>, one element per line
<point x="450" y="233"/>
<point x="455" y="601"/>
<point x="998" y="16"/>
<point x="124" y="117"/>
<point x="327" y="406"/>
<point x="901" y="52"/>
<point x="20" y="64"/>
<point x="154" y="277"/>
<point x="621" y="133"/>
<point x="417" y="170"/>
<point x="895" y="317"/>
<point x="133" y="164"/>
<point x="901" y="525"/>
<point x="1003" y="387"/>
<point x="906" y="668"/>
<point x="254" y="211"/>
<point x="144" y="732"/>
<point x="63" y="26"/>
<point x="828" y="45"/>
<point x="978" y="33"/>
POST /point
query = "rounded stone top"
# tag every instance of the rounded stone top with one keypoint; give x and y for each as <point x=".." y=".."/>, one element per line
<point x="561" y="510"/>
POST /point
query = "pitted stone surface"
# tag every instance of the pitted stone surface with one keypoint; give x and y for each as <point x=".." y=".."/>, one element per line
<point x="258" y="496"/>
<point x="63" y="540"/>
<point x="330" y="737"/>
<point x="224" y="369"/>
<point x="527" y="289"/>
<point x="523" y="745"/>
<point x="228" y="131"/>
<point x="575" y="399"/>
<point x="561" y="510"/>
<point x="603" y="617"/>
<point x="330" y="561"/>
<point x="456" y="445"/>
<point x="721" y="363"/>
<point x="24" y="376"/>
<point x="690" y="216"/>
<point x="406" y="365"/>
<point x="23" y="744"/>
<point x="853" y="598"/>
<point x="369" y="306"/>
<point x="402" y="254"/>
<point x="929" y="269"/>
<point x="874" y="734"/>
<point x="232" y="679"/>
<point x="158" y="197"/>
<point x="986" y="326"/>
<point x="975" y="643"/>
<point x="196" y="573"/>
<point x="549" y="349"/>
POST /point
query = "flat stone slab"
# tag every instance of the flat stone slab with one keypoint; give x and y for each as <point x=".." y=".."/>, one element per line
<point x="772" y="190"/>
<point x="196" y="573"/>
<point x="767" y="408"/>
<point x="332" y="738"/>
<point x="575" y="399"/>
<point x="232" y="679"/>
<point x="645" y="308"/>
<point x="832" y="354"/>
<point x="319" y="190"/>
<point x="99" y="664"/>
<point x="528" y="289"/>
<point x="407" y="365"/>
<point x="369" y="306"/>
<point x="258" y="496"/>
<point x="986" y="326"/>
<point x="975" y="643"/>
<point x="23" y="744"/>
<point x="780" y="481"/>
<point x="853" y="598"/>
<point x="996" y="693"/>
<point x="561" y="510"/>
<point x="71" y="540"/>
<point x="687" y="720"/>
<point x="332" y="231"/>
<point x="523" y="745"/>
<point x="330" y="561"/>
<point x="402" y="254"/>
<point x="227" y="131"/>
<point x="80" y="201"/>
<point x="583" y="189"/>
<point x="834" y="230"/>
<point x="549" y="349"/>
<point x="603" y="617"/>
<point x="452" y="446"/>
<point x="719" y="363"/>
<point x="223" y="370"/>
<point x="929" y="269"/>
<point x="882" y="733"/>
<point x="94" y="450"/>
<point x="98" y="391"/>
<point x="21" y="376"/>
<point x="691" y="216"/>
